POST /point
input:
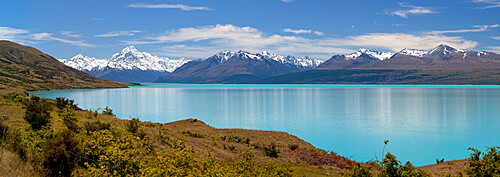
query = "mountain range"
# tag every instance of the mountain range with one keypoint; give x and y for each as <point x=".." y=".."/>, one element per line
<point x="228" y="67"/>
<point x="362" y="66"/>
<point x="442" y="57"/>
<point x="129" y="65"/>
<point x="440" y="65"/>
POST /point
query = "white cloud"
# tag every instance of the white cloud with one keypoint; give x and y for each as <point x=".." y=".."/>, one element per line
<point x="286" y="0"/>
<point x="411" y="10"/>
<point x="119" y="33"/>
<point x="488" y="3"/>
<point x="221" y="35"/>
<point x="200" y="42"/>
<point x="496" y="37"/>
<point x="479" y="28"/>
<point x="48" y="37"/>
<point x="494" y="49"/>
<point x="299" y="31"/>
<point x="167" y="6"/>
<point x="319" y="33"/>
<point x="12" y="34"/>
<point x="398" y="41"/>
<point x="70" y="34"/>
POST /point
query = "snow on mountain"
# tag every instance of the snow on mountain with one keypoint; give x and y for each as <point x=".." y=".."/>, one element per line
<point x="445" y="49"/>
<point x="82" y="63"/>
<point x="128" y="59"/>
<point x="304" y="62"/>
<point x="374" y="54"/>
<point x="413" y="52"/>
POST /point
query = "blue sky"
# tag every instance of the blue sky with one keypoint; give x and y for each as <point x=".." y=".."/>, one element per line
<point x="200" y="28"/>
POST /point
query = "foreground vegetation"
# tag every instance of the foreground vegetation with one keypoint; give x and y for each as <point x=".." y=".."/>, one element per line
<point x="55" y="138"/>
<point x="43" y="137"/>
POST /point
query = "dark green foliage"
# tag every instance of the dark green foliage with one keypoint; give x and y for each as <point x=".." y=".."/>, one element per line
<point x="62" y="102"/>
<point x="271" y="151"/>
<point x="37" y="112"/>
<point x="60" y="154"/>
<point x="69" y="118"/>
<point x="488" y="165"/>
<point x="293" y="146"/>
<point x="108" y="111"/>
<point x="391" y="167"/>
<point x="236" y="139"/>
<point x="92" y="114"/>
<point x="4" y="128"/>
<point x="193" y="134"/>
<point x="96" y="126"/>
<point x="13" y="99"/>
<point x="358" y="171"/>
<point x="133" y="125"/>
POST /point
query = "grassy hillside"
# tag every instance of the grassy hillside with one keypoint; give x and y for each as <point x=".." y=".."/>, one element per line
<point x="95" y="143"/>
<point x="387" y="76"/>
<point x="26" y="68"/>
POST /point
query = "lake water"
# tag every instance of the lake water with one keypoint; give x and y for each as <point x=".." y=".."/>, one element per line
<point x="422" y="123"/>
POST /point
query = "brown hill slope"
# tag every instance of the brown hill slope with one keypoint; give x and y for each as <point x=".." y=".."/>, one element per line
<point x="23" y="67"/>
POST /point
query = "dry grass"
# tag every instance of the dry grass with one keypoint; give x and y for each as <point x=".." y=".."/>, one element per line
<point x="444" y="168"/>
<point x="12" y="165"/>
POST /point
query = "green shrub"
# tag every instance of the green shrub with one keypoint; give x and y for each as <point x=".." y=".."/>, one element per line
<point x="271" y="151"/>
<point x="391" y="167"/>
<point x="488" y="165"/>
<point x="96" y="126"/>
<point x="60" y="154"/>
<point x="37" y="112"/>
<point x="358" y="171"/>
<point x="62" y="102"/>
<point x="193" y="134"/>
<point x="133" y="125"/>
<point x="92" y="113"/>
<point x="69" y="118"/>
<point x="12" y="99"/>
<point x="108" y="111"/>
<point x="293" y="147"/>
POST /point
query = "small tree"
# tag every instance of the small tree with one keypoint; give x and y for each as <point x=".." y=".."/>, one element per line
<point x="108" y="111"/>
<point x="62" y="102"/>
<point x="69" y="118"/>
<point x="271" y="151"/>
<point x="37" y="112"/>
<point x="133" y="125"/>
<point x="488" y="165"/>
<point x="60" y="154"/>
<point x="358" y="171"/>
<point x="391" y="167"/>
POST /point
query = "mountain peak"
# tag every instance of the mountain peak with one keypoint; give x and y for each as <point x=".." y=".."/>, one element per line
<point x="131" y="49"/>
<point x="373" y="54"/>
<point x="445" y="49"/>
<point x="78" y="56"/>
<point x="413" y="52"/>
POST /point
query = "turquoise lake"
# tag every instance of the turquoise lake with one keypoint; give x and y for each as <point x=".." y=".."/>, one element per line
<point x="422" y="123"/>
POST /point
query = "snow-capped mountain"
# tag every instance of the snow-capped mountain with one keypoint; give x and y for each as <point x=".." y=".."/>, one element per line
<point x="84" y="63"/>
<point x="305" y="62"/>
<point x="441" y="57"/>
<point x="413" y="52"/>
<point x="228" y="67"/>
<point x="373" y="54"/>
<point x="129" y="65"/>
